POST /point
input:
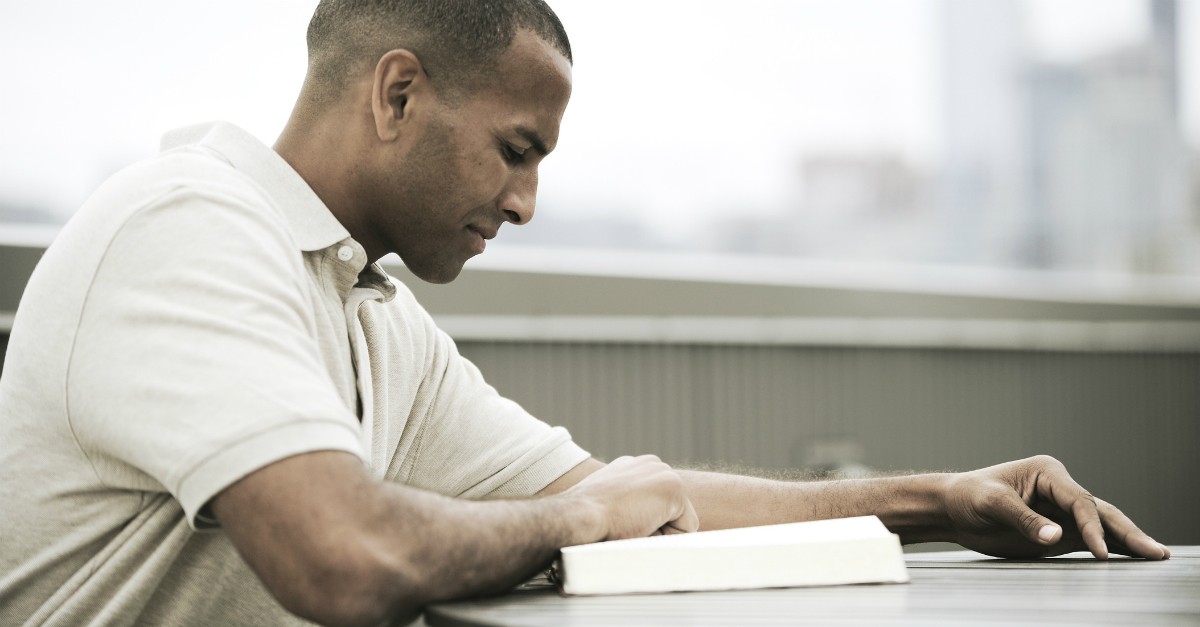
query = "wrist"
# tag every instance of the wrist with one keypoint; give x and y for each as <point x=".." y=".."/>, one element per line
<point x="585" y="519"/>
<point x="916" y="509"/>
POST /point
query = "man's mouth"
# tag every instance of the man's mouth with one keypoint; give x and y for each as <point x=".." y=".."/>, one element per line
<point x="483" y="232"/>
<point x="481" y="235"/>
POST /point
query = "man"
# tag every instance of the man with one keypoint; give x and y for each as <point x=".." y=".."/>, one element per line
<point x="217" y="410"/>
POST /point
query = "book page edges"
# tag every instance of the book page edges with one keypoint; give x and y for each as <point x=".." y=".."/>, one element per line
<point x="877" y="559"/>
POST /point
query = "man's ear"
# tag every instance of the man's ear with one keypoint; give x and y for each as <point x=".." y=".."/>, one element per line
<point x="398" y="76"/>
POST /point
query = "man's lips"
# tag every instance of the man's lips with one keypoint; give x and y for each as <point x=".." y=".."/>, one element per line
<point x="484" y="232"/>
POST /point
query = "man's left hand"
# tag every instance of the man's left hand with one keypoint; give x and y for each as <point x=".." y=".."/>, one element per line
<point x="1033" y="508"/>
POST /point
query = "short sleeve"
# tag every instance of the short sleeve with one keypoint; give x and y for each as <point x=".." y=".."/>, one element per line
<point x="195" y="360"/>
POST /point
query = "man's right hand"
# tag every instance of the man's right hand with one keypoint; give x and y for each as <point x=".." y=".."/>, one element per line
<point x="638" y="497"/>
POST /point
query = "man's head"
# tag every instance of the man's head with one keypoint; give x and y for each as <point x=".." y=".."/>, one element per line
<point x="422" y="122"/>
<point x="458" y="41"/>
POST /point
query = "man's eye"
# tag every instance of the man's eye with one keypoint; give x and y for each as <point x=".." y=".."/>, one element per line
<point x="511" y="155"/>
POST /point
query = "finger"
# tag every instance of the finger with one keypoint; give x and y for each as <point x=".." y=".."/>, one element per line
<point x="1056" y="484"/>
<point x="1133" y="541"/>
<point x="687" y="522"/>
<point x="1153" y="551"/>
<point x="1010" y="510"/>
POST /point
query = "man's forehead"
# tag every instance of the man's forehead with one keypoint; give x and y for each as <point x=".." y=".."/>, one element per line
<point x="532" y="61"/>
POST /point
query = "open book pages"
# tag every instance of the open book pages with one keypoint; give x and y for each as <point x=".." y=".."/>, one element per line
<point x="817" y="553"/>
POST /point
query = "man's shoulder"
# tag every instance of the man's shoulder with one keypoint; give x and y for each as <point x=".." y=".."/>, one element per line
<point x="187" y="181"/>
<point x="220" y="172"/>
<point x="155" y="210"/>
<point x="187" y="170"/>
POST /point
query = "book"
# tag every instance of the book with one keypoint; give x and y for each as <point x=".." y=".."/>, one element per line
<point x="816" y="553"/>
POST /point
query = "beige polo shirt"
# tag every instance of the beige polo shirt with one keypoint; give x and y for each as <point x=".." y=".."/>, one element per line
<point x="202" y="316"/>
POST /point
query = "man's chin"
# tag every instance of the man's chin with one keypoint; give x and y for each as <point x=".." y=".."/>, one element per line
<point x="440" y="280"/>
<point x="439" y="275"/>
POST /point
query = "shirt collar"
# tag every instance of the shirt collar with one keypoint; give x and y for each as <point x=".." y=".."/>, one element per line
<point x="311" y="223"/>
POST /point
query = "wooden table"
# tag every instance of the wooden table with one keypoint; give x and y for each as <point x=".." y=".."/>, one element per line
<point x="950" y="588"/>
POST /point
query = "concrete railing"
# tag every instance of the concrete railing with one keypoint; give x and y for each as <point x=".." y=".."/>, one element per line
<point x="778" y="363"/>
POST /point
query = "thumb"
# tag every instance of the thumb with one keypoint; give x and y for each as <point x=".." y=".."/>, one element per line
<point x="1012" y="511"/>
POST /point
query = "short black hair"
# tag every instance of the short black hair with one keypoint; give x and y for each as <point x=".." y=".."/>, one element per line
<point x="457" y="41"/>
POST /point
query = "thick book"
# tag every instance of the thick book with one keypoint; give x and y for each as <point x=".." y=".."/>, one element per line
<point x="817" y="553"/>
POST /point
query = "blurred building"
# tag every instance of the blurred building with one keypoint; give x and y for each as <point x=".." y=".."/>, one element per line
<point x="857" y="187"/>
<point x="1108" y="167"/>
<point x="1077" y="166"/>
<point x="982" y="204"/>
<point x="868" y="206"/>
<point x="848" y="206"/>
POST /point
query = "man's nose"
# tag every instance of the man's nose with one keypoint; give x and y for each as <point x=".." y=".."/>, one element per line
<point x="517" y="201"/>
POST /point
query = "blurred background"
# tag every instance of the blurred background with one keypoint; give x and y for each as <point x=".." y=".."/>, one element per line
<point x="1049" y="134"/>
<point x="840" y="235"/>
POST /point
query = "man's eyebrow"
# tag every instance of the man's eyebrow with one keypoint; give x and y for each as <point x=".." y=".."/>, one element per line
<point x="534" y="140"/>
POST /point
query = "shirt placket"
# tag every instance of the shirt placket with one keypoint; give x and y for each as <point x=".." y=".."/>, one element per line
<point x="351" y="260"/>
<point x="361" y="355"/>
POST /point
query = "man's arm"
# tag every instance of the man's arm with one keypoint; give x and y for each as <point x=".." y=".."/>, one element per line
<point x="336" y="546"/>
<point x="1025" y="508"/>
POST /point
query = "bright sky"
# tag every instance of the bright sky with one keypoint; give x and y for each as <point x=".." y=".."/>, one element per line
<point x="680" y="107"/>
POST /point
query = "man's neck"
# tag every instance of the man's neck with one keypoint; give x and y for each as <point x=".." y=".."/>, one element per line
<point x="321" y="149"/>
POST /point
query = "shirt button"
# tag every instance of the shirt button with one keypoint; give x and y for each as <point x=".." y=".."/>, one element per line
<point x="345" y="253"/>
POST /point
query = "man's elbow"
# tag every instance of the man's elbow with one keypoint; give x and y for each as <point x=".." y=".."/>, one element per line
<point x="365" y="589"/>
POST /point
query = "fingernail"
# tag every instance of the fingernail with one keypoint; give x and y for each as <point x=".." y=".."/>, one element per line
<point x="1046" y="534"/>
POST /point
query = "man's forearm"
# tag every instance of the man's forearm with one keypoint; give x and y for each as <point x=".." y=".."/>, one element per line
<point x="464" y="548"/>
<point x="910" y="506"/>
<point x="337" y="546"/>
<point x="481" y="547"/>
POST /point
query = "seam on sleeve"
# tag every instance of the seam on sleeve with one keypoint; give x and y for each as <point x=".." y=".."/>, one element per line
<point x="85" y="304"/>
<point x="556" y="447"/>
<point x="336" y="435"/>
<point x="83" y="308"/>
